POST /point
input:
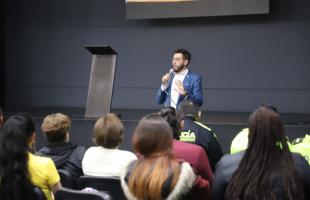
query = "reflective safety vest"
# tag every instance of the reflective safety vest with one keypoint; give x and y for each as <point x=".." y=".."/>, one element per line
<point x="302" y="146"/>
<point x="241" y="140"/>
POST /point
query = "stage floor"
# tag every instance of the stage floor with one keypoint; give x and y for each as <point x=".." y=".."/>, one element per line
<point x="211" y="117"/>
<point x="225" y="124"/>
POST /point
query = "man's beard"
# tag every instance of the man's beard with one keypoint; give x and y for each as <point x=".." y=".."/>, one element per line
<point x="178" y="69"/>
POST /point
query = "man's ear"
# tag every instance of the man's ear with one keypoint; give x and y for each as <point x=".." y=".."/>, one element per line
<point x="32" y="139"/>
<point x="186" y="62"/>
<point x="182" y="124"/>
<point x="67" y="137"/>
<point x="1" y="120"/>
<point x="199" y="114"/>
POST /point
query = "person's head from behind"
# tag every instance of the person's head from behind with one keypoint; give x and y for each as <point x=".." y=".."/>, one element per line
<point x="152" y="136"/>
<point x="108" y="131"/>
<point x="267" y="131"/>
<point x="169" y="114"/>
<point x="180" y="60"/>
<point x="56" y="128"/>
<point x="152" y="140"/>
<point x="271" y="107"/>
<point x="17" y="135"/>
<point x="267" y="154"/>
<point x="187" y="109"/>
<point x="19" y="130"/>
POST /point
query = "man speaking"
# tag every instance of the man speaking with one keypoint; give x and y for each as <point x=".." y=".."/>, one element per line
<point x="180" y="83"/>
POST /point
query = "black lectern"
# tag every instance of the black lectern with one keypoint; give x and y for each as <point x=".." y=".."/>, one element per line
<point x="101" y="81"/>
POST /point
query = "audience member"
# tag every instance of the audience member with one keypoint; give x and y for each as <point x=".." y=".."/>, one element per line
<point x="157" y="174"/>
<point x="266" y="169"/>
<point x="65" y="154"/>
<point x="106" y="159"/>
<point x="193" y="131"/>
<point x="20" y="170"/>
<point x="240" y="141"/>
<point x="302" y="146"/>
<point x="194" y="154"/>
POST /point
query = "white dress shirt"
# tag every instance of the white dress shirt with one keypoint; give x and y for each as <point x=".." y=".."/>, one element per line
<point x="174" y="94"/>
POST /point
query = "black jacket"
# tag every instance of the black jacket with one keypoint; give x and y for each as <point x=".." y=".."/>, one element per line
<point x="195" y="132"/>
<point x="229" y="164"/>
<point x="66" y="156"/>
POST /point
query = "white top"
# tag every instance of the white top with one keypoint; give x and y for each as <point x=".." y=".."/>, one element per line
<point x="174" y="93"/>
<point x="99" y="161"/>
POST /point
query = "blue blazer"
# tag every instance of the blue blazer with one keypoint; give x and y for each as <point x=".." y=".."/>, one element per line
<point x="192" y="84"/>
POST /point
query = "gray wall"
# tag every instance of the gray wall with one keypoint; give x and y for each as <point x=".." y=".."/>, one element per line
<point x="2" y="57"/>
<point x="244" y="60"/>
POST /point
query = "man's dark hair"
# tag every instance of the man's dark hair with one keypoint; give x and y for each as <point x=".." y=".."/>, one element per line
<point x="186" y="54"/>
<point x="271" y="107"/>
<point x="187" y="109"/>
<point x="1" y="112"/>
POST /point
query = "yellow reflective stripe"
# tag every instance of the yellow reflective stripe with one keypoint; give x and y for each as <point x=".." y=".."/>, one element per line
<point x="204" y="126"/>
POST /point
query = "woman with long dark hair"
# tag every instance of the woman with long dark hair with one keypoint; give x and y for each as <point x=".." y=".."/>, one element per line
<point x="156" y="174"/>
<point x="267" y="170"/>
<point x="20" y="170"/>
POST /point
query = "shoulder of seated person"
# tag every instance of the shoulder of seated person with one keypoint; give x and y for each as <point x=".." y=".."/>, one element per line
<point x="297" y="141"/>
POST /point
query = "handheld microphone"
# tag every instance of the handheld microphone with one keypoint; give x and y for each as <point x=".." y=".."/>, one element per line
<point x="171" y="71"/>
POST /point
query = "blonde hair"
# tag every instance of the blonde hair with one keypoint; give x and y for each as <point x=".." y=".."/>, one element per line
<point x="56" y="126"/>
<point x="108" y="131"/>
<point x="152" y="138"/>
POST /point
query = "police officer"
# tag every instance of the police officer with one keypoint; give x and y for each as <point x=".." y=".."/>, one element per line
<point x="193" y="131"/>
